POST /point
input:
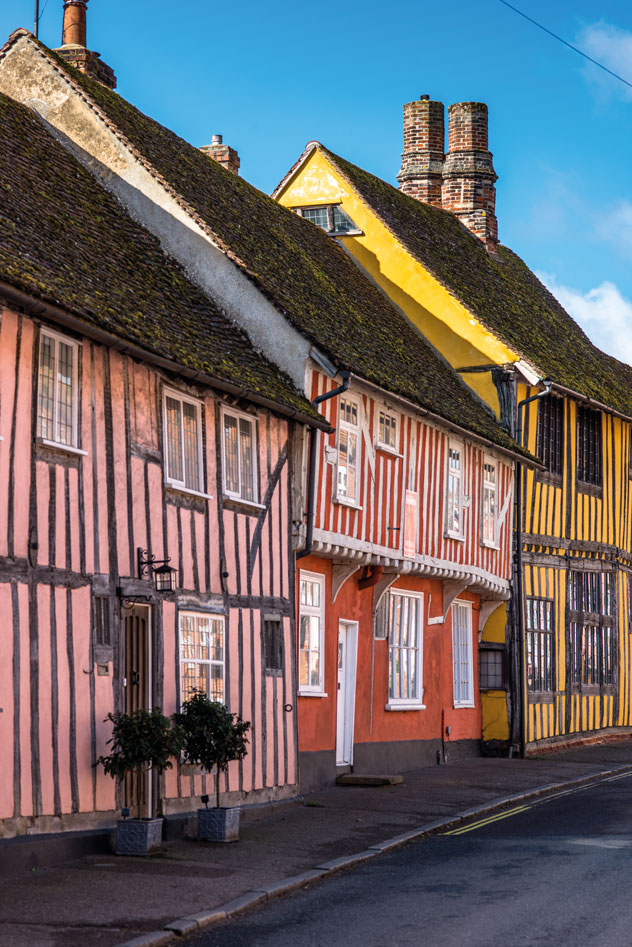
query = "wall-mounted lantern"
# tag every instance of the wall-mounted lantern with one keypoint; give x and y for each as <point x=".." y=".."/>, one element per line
<point x="163" y="574"/>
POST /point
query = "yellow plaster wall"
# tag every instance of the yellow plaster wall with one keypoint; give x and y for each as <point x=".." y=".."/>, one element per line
<point x="460" y="338"/>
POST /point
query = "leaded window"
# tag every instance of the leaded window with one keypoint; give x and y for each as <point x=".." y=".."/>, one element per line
<point x="57" y="390"/>
<point x="592" y="628"/>
<point x="202" y="659"/>
<point x="239" y="456"/>
<point x="330" y="218"/>
<point x="588" y="445"/>
<point x="183" y="442"/>
<point x="540" y="640"/>
<point x="550" y="433"/>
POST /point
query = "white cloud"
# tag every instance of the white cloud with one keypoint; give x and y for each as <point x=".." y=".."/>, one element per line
<point x="612" y="47"/>
<point x="615" y="226"/>
<point x="604" y="314"/>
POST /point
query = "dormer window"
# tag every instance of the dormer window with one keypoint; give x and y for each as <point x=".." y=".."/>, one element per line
<point x="330" y="218"/>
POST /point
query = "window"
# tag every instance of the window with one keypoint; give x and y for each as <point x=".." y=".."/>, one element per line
<point x="592" y="628"/>
<point x="201" y="655"/>
<point x="454" y="497"/>
<point x="330" y="218"/>
<point x="387" y="429"/>
<point x="311" y="633"/>
<point x="404" y="649"/>
<point x="491" y="667"/>
<point x="540" y="644"/>
<point x="348" y="487"/>
<point x="57" y="390"/>
<point x="550" y="434"/>
<point x="490" y="508"/>
<point x="273" y="643"/>
<point x="183" y="442"/>
<point x="462" y="669"/>
<point x="101" y="612"/>
<point x="588" y="445"/>
<point x="239" y="456"/>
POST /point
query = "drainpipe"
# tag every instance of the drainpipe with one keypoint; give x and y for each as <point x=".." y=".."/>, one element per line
<point x="519" y="584"/>
<point x="313" y="441"/>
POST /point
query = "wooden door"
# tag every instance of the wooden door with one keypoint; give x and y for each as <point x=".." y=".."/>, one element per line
<point x="137" y="687"/>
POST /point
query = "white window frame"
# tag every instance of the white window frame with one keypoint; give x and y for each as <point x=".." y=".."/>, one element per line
<point x="416" y="701"/>
<point x="488" y="485"/>
<point x="176" y="395"/>
<point x="462" y="697"/>
<point x="394" y="415"/>
<point x="312" y="690"/>
<point x="56" y="337"/>
<point x="253" y="420"/>
<point x="454" y="534"/>
<point x="350" y="429"/>
<point x="210" y="616"/>
<point x="331" y="229"/>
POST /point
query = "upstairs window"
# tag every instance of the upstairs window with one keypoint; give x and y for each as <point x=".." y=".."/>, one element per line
<point x="550" y="434"/>
<point x="330" y="218"/>
<point x="57" y="390"/>
<point x="239" y="456"/>
<point x="387" y="429"/>
<point x="348" y="479"/>
<point x="588" y="445"/>
<point x="183" y="441"/>
<point x="490" y="504"/>
<point x="454" y="492"/>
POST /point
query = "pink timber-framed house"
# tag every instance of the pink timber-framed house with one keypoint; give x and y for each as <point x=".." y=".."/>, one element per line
<point x="401" y="518"/>
<point x="135" y="421"/>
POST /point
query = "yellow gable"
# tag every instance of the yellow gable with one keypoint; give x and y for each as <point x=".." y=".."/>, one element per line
<point x="442" y="319"/>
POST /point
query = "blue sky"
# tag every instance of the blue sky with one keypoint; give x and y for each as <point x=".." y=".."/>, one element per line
<point x="272" y="76"/>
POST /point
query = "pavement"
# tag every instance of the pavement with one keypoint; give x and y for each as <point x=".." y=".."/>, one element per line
<point x="109" y="901"/>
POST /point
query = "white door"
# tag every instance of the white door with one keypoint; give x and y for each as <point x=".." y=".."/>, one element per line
<point x="347" y="642"/>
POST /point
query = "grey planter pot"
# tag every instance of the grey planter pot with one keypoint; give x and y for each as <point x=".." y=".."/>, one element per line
<point x="138" y="836"/>
<point x="218" y="825"/>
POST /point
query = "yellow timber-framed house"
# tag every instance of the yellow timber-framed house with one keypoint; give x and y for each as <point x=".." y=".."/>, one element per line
<point x="556" y="668"/>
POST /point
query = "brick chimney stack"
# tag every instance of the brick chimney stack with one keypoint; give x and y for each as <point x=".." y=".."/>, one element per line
<point x="468" y="172"/>
<point x="223" y="154"/>
<point x="424" y="144"/>
<point x="73" y="45"/>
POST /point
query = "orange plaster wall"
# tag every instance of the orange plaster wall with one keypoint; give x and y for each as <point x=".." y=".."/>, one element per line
<point x="317" y="715"/>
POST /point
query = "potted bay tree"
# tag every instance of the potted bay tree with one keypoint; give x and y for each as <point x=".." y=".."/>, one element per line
<point x="141" y="741"/>
<point x="212" y="737"/>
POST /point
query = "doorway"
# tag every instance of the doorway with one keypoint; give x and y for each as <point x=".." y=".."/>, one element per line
<point x="137" y="687"/>
<point x="346" y="688"/>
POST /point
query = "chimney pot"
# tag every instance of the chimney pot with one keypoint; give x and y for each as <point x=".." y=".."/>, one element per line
<point x="73" y="45"/>
<point x="424" y="98"/>
<point x="217" y="139"/>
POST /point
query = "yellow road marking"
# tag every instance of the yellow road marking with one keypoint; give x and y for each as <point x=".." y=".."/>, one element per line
<point x="482" y="822"/>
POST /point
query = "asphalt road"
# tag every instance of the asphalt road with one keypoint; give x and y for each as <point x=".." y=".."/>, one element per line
<point x="554" y="873"/>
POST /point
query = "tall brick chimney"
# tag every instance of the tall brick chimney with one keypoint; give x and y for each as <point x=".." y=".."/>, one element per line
<point x="468" y="172"/>
<point x="73" y="45"/>
<point x="424" y="143"/>
<point x="223" y="154"/>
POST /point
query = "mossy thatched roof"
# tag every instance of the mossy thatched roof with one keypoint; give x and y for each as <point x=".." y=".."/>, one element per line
<point x="304" y="273"/>
<point x="68" y="242"/>
<point x="500" y="291"/>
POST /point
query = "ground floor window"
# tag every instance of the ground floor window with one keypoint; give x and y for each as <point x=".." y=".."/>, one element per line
<point x="592" y="628"/>
<point x="202" y="649"/>
<point x="540" y="644"/>
<point x="405" y="647"/>
<point x="311" y="633"/>
<point x="462" y="660"/>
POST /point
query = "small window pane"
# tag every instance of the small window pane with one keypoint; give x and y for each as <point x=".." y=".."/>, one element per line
<point x="318" y="216"/>
<point x="191" y="446"/>
<point x="231" y="454"/>
<point x="342" y="221"/>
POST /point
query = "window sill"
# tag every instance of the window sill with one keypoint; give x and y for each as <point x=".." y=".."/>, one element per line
<point x="312" y="694"/>
<point x="540" y="697"/>
<point x="345" y="233"/>
<point x="551" y="479"/>
<point x="488" y="545"/>
<point x="247" y="507"/>
<point x="591" y="489"/>
<point x="465" y="705"/>
<point x="343" y="501"/>
<point x="391" y="451"/>
<point x="459" y="537"/>
<point x="66" y="448"/>
<point x="242" y="502"/>
<point x="394" y="706"/>
<point x="186" y="490"/>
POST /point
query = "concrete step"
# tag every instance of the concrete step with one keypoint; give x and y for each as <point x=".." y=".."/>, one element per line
<point x="363" y="779"/>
